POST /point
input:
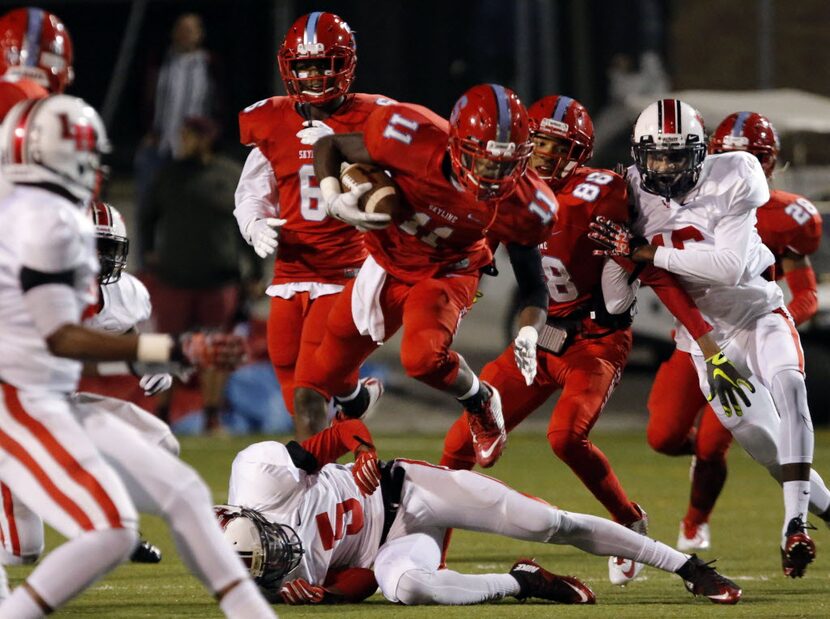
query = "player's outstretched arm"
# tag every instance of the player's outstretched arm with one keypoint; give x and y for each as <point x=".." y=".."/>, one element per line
<point x="533" y="301"/>
<point x="216" y="350"/>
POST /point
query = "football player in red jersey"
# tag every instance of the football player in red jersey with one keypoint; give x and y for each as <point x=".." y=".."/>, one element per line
<point x="279" y="205"/>
<point x="790" y="226"/>
<point x="459" y="180"/>
<point x="584" y="347"/>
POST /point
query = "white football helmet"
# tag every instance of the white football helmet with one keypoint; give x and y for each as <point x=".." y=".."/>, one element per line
<point x="58" y="140"/>
<point x="668" y="145"/>
<point x="269" y="550"/>
<point x="112" y="241"/>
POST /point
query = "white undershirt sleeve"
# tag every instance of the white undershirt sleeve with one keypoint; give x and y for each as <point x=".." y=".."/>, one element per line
<point x="617" y="292"/>
<point x="256" y="194"/>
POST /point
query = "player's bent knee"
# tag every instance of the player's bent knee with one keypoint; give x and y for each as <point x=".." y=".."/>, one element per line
<point x="567" y="445"/>
<point x="415" y="588"/>
<point x="419" y="361"/>
<point x="666" y="442"/>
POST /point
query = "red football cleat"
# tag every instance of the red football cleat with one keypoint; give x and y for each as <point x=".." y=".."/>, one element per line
<point x="701" y="578"/>
<point x="536" y="582"/>
<point x="487" y="428"/>
<point x="799" y="549"/>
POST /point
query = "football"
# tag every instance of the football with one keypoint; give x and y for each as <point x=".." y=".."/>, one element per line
<point x="383" y="197"/>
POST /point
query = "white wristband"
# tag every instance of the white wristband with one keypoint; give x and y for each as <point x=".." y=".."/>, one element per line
<point x="154" y="348"/>
<point x="330" y="188"/>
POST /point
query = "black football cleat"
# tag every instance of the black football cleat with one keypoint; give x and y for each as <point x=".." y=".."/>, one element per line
<point x="701" y="578"/>
<point x="799" y="549"/>
<point x="146" y="552"/>
<point x="536" y="582"/>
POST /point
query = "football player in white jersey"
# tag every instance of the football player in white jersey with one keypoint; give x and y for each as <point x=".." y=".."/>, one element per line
<point x="77" y="467"/>
<point x="694" y="215"/>
<point x="314" y="531"/>
<point x="124" y="302"/>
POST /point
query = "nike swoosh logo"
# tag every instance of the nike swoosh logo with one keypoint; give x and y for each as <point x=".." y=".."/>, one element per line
<point x="486" y="453"/>
<point x="582" y="596"/>
<point x="627" y="572"/>
<point x="721" y="596"/>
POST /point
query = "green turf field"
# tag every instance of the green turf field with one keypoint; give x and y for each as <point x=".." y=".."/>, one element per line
<point x="745" y="531"/>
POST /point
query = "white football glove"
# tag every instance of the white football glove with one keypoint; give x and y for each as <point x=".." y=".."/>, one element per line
<point x="343" y="206"/>
<point x="313" y="131"/>
<point x="524" y="352"/>
<point x="263" y="234"/>
<point x="155" y="383"/>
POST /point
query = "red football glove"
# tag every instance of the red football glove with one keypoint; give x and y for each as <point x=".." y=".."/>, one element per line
<point x="223" y="351"/>
<point x="300" y="591"/>
<point x="616" y="239"/>
<point x="366" y="472"/>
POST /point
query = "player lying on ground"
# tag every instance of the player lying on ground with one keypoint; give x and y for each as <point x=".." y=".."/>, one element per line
<point x="313" y="531"/>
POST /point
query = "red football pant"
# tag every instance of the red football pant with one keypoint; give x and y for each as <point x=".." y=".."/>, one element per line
<point x="429" y="312"/>
<point x="295" y="330"/>
<point x="674" y="405"/>
<point x="587" y="374"/>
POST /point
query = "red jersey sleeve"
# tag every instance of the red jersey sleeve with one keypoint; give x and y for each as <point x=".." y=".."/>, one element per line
<point x="676" y="300"/>
<point x="808" y="239"/>
<point x="255" y="120"/>
<point x="527" y="215"/>
<point x="614" y="200"/>
<point x="337" y="440"/>
<point x="351" y="584"/>
<point x="405" y="138"/>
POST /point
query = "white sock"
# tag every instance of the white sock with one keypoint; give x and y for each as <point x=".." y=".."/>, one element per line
<point x="473" y="389"/>
<point x="819" y="494"/>
<point x="796" y="501"/>
<point x="603" y="537"/>
<point x="452" y="588"/>
<point x="4" y="584"/>
<point x="245" y="601"/>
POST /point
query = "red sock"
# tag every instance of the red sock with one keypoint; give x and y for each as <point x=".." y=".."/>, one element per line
<point x="594" y="470"/>
<point x="708" y="479"/>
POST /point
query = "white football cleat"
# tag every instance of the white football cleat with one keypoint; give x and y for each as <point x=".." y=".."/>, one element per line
<point x="622" y="571"/>
<point x="692" y="539"/>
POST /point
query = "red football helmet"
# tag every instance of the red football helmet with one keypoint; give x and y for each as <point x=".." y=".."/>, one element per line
<point x="35" y="45"/>
<point x="751" y="132"/>
<point x="322" y="41"/>
<point x="489" y="140"/>
<point x="568" y="124"/>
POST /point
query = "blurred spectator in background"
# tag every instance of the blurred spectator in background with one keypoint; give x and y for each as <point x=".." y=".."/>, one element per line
<point x="181" y="87"/>
<point x="196" y="259"/>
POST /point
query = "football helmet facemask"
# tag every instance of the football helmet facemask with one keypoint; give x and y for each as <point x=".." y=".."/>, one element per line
<point x="58" y="140"/>
<point x="668" y="145"/>
<point x="35" y="45"/>
<point x="489" y="142"/>
<point x="563" y="137"/>
<point x="111" y="239"/>
<point x="318" y="58"/>
<point x="751" y="132"/>
<point x="269" y="550"/>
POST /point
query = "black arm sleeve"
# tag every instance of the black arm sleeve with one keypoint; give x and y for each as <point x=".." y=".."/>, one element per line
<point x="527" y="267"/>
<point x="30" y="278"/>
<point x="302" y="459"/>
